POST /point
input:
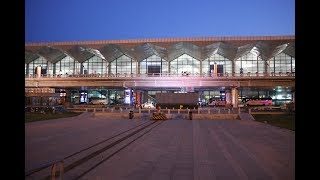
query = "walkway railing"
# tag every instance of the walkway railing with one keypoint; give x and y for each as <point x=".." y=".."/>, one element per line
<point x="125" y="75"/>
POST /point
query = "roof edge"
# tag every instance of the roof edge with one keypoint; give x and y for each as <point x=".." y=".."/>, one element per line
<point x="153" y="40"/>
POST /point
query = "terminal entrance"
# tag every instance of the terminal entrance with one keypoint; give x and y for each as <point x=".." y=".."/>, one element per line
<point x="156" y="70"/>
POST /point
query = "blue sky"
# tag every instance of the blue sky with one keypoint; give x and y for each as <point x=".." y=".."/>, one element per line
<point x="85" y="20"/>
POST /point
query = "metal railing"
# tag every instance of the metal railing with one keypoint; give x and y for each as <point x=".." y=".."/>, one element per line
<point x="125" y="75"/>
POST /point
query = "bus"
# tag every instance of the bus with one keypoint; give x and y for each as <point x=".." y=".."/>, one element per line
<point x="257" y="101"/>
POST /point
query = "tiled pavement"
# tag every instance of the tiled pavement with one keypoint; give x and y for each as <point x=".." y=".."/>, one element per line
<point x="180" y="149"/>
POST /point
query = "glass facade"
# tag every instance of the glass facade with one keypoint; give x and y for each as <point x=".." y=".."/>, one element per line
<point x="67" y="65"/>
<point x="153" y="64"/>
<point x="123" y="65"/>
<point x="185" y="63"/>
<point x="46" y="66"/>
<point x="250" y="63"/>
<point x="282" y="63"/>
<point x="95" y="65"/>
<point x="224" y="63"/>
<point x="210" y="94"/>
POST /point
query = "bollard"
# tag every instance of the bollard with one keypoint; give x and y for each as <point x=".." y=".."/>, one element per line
<point x="239" y="110"/>
<point x="103" y="109"/>
<point x="61" y="170"/>
<point x="178" y="111"/>
<point x="198" y="110"/>
<point x="219" y="111"/>
<point x="249" y="111"/>
<point x="94" y="110"/>
<point x="228" y="111"/>
<point x="190" y="115"/>
<point x="168" y="111"/>
<point x="131" y="115"/>
<point x="53" y="171"/>
<point x="112" y="109"/>
<point x="139" y="110"/>
<point x="120" y="109"/>
<point x="209" y="111"/>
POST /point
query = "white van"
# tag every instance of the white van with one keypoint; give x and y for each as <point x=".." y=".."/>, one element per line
<point x="99" y="101"/>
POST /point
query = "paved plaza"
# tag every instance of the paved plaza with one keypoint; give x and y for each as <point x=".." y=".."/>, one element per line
<point x="174" y="150"/>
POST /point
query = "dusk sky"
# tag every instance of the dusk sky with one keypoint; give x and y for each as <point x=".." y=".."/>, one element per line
<point x="86" y="20"/>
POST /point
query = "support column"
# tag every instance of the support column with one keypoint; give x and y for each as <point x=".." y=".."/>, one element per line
<point x="38" y="71"/>
<point x="266" y="68"/>
<point x="109" y="68"/>
<point x="235" y="95"/>
<point x="233" y="67"/>
<point x="138" y="98"/>
<point x="200" y="68"/>
<point x="228" y="98"/>
<point x="27" y="69"/>
<point x="81" y="68"/>
<point x="137" y="67"/>
<point x="215" y="69"/>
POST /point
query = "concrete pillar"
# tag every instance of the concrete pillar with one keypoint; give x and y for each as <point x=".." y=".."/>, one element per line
<point x="215" y="69"/>
<point x="138" y="97"/>
<point x="234" y="94"/>
<point x="228" y="97"/>
<point x="137" y="68"/>
<point x="38" y="71"/>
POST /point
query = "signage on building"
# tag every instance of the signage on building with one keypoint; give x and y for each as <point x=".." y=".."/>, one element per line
<point x="39" y="90"/>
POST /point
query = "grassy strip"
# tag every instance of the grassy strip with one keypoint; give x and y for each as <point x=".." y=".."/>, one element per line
<point x="280" y="120"/>
<point x="31" y="117"/>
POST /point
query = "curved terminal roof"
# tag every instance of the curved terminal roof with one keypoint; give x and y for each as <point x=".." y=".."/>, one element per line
<point x="167" y="48"/>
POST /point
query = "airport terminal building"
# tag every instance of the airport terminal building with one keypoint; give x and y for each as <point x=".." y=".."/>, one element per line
<point x="132" y="72"/>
